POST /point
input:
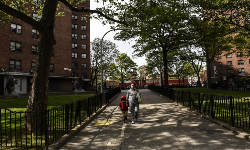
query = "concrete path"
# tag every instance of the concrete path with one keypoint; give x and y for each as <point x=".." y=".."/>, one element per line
<point x="162" y="125"/>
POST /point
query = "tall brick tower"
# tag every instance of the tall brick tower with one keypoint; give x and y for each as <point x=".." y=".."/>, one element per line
<point x="71" y="55"/>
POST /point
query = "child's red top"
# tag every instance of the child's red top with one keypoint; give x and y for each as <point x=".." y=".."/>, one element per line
<point x="123" y="105"/>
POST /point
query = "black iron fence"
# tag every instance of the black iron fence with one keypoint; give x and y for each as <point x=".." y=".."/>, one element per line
<point x="14" y="131"/>
<point x="231" y="110"/>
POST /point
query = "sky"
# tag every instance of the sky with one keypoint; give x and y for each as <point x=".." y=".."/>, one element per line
<point x="97" y="30"/>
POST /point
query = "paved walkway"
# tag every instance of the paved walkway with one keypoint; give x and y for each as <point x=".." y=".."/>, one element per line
<point x="162" y="125"/>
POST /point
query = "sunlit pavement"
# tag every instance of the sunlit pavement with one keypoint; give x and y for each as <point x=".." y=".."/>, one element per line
<point x="162" y="125"/>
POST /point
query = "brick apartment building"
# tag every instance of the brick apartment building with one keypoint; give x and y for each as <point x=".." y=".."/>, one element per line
<point x="70" y="60"/>
<point x="230" y="67"/>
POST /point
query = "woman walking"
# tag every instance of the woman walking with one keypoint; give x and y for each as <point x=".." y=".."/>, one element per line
<point x="133" y="102"/>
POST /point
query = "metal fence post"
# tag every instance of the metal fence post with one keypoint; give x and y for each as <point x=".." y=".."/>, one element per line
<point x="189" y="97"/>
<point x="67" y="119"/>
<point x="1" y="132"/>
<point x="232" y="110"/>
<point x="177" y="101"/>
<point x="71" y="116"/>
<point x="212" y="106"/>
<point x="79" y="110"/>
<point x="46" y="132"/>
<point x="182" y="92"/>
<point x="199" y="102"/>
<point x="100" y="104"/>
<point x="88" y="111"/>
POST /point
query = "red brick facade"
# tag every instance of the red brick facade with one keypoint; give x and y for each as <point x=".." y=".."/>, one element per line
<point x="60" y="79"/>
<point x="230" y="67"/>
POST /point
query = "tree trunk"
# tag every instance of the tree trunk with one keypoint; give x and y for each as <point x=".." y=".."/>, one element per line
<point x="161" y="79"/>
<point x="208" y="62"/>
<point x="199" y="81"/>
<point x="122" y="79"/>
<point x="165" y="59"/>
<point x="37" y="103"/>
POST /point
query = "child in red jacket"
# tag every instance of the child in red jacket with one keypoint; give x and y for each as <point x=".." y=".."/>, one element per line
<point x="123" y="106"/>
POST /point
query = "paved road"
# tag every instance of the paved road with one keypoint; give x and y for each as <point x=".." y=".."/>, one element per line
<point x="162" y="125"/>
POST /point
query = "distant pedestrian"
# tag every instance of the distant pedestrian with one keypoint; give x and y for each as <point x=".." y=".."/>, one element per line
<point x="123" y="106"/>
<point x="133" y="102"/>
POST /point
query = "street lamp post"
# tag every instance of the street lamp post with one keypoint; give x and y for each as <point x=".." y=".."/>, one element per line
<point x="101" y="57"/>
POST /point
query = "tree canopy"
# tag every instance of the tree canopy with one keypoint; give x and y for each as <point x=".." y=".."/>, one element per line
<point x="109" y="54"/>
<point x="126" y="68"/>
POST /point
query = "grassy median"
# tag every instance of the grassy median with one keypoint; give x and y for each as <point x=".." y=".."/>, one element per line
<point x="53" y="101"/>
<point x="217" y="92"/>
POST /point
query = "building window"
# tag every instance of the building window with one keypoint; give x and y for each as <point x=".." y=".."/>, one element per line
<point x="33" y="65"/>
<point x="83" y="19"/>
<point x="241" y="70"/>
<point x="230" y="71"/>
<point x="229" y="63"/>
<point x="36" y="17"/>
<point x="74" y="55"/>
<point x="219" y="56"/>
<point x="220" y="71"/>
<point x="74" y="26"/>
<point x="84" y="65"/>
<point x="15" y="46"/>
<point x="74" y="74"/>
<point x="239" y="54"/>
<point x="74" y="17"/>
<point x="240" y="62"/>
<point x="35" y="33"/>
<point x="220" y="64"/>
<point x="15" y="64"/>
<point x="75" y="65"/>
<point x="37" y="2"/>
<point x="15" y="28"/>
<point x="84" y="28"/>
<point x="84" y="56"/>
<point x="74" y="36"/>
<point x="83" y="46"/>
<point x="84" y="75"/>
<point x="51" y="68"/>
<point x="74" y="45"/>
<point x="34" y="49"/>
<point x="83" y="37"/>
<point x="229" y="55"/>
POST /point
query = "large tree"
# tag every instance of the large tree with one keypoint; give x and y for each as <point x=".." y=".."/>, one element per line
<point x="109" y="54"/>
<point x="213" y="37"/>
<point x="154" y="25"/>
<point x="225" y="26"/>
<point x="195" y="57"/>
<point x="47" y="9"/>
<point x="126" y="68"/>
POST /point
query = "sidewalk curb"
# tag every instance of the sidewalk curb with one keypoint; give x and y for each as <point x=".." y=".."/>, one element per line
<point x="236" y="131"/>
<point x="60" y="142"/>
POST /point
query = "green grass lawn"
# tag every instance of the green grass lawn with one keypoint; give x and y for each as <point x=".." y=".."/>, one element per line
<point x="53" y="101"/>
<point x="216" y="92"/>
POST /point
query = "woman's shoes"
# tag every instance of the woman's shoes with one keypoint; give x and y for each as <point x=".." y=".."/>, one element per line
<point x="136" y="118"/>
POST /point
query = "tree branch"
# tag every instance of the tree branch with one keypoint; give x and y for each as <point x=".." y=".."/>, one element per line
<point x="91" y="11"/>
<point x="20" y="15"/>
